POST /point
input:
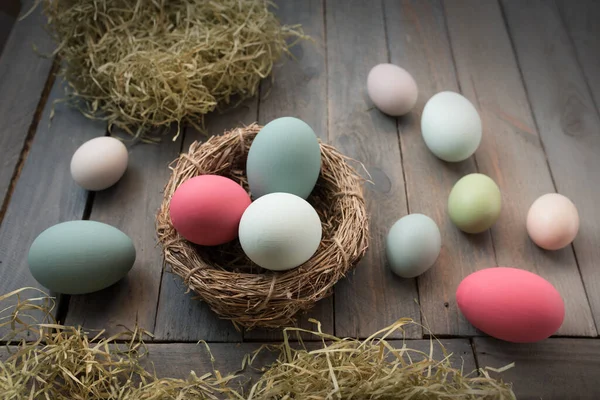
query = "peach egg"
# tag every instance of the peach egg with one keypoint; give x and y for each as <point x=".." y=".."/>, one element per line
<point x="552" y="221"/>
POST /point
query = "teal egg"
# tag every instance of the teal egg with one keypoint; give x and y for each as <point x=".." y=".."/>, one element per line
<point x="78" y="257"/>
<point x="413" y="245"/>
<point x="285" y="156"/>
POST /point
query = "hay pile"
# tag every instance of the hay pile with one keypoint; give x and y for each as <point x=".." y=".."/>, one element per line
<point x="62" y="362"/>
<point x="372" y="369"/>
<point x="145" y="64"/>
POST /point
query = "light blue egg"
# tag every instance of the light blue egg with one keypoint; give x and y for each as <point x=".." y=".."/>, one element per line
<point x="413" y="245"/>
<point x="285" y="156"/>
<point x="77" y="257"/>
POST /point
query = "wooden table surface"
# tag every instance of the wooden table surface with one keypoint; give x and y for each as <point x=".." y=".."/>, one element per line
<point x="532" y="68"/>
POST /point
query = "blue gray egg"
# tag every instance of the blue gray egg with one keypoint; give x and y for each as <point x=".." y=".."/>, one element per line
<point x="78" y="257"/>
<point x="413" y="245"/>
<point x="285" y="157"/>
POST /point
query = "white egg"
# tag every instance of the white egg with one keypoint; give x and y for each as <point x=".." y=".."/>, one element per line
<point x="451" y="126"/>
<point x="280" y="231"/>
<point x="392" y="89"/>
<point x="99" y="163"/>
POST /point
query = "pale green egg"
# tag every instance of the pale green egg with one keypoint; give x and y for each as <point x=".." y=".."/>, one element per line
<point x="413" y="245"/>
<point x="285" y="157"/>
<point x="78" y="257"/>
<point x="474" y="203"/>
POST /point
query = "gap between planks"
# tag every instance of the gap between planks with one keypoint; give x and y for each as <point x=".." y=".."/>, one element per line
<point x="29" y="137"/>
<point x="490" y="78"/>
<point x="566" y="118"/>
<point x="22" y="112"/>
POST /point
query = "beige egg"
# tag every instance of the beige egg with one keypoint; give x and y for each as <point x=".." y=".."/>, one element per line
<point x="99" y="163"/>
<point x="552" y="221"/>
<point x="392" y="89"/>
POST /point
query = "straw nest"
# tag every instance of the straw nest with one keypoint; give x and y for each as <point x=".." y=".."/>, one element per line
<point x="147" y="64"/>
<point x="222" y="276"/>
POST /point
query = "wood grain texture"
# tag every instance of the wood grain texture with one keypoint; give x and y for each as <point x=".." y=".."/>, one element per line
<point x="181" y="316"/>
<point x="418" y="42"/>
<point x="11" y="7"/>
<point x="45" y="193"/>
<point x="299" y="89"/>
<point x="567" y="120"/>
<point x="131" y="206"/>
<point x="177" y="360"/>
<point x="23" y="76"/>
<point x="581" y="18"/>
<point x="511" y="152"/>
<point x="372" y="297"/>
<point x="551" y="369"/>
<point x="6" y="24"/>
<point x="219" y="121"/>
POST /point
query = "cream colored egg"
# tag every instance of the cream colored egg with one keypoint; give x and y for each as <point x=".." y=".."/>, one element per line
<point x="99" y="163"/>
<point x="280" y="231"/>
<point x="552" y="221"/>
<point x="392" y="89"/>
<point x="451" y="126"/>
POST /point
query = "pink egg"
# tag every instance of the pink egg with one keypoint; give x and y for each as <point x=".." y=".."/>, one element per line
<point x="392" y="89"/>
<point x="511" y="304"/>
<point x="552" y="221"/>
<point x="207" y="209"/>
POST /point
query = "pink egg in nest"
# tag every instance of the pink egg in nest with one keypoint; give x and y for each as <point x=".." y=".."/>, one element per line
<point x="511" y="304"/>
<point x="207" y="209"/>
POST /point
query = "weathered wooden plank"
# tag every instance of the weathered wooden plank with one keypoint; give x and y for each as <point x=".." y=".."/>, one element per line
<point x="130" y="205"/>
<point x="567" y="120"/>
<point x="45" y="193"/>
<point x="551" y="369"/>
<point x="177" y="360"/>
<point x="299" y="87"/>
<point x="581" y="18"/>
<point x="23" y="76"/>
<point x="6" y="24"/>
<point x="373" y="297"/>
<point x="418" y="42"/>
<point x="181" y="316"/>
<point x="511" y="152"/>
<point x="299" y="90"/>
<point x="11" y="7"/>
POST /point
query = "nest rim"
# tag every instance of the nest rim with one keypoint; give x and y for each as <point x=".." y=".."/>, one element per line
<point x="237" y="289"/>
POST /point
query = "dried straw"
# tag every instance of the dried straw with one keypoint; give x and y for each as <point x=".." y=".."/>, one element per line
<point x="222" y="276"/>
<point x="63" y="362"/>
<point x="145" y="64"/>
<point x="372" y="369"/>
